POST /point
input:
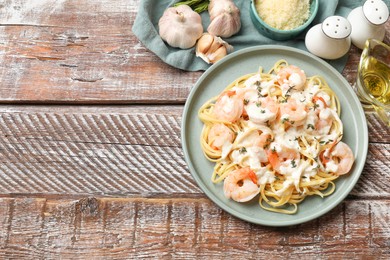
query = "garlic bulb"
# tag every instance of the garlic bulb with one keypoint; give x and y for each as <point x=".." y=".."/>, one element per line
<point x="224" y="17"/>
<point x="212" y="48"/>
<point x="180" y="26"/>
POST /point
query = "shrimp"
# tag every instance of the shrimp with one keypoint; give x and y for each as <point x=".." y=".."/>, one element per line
<point x="262" y="140"/>
<point x="252" y="137"/>
<point x="241" y="185"/>
<point x="264" y="110"/>
<point x="292" y="76"/>
<point x="229" y="106"/>
<point x="325" y="121"/>
<point x="292" y="112"/>
<point x="341" y="157"/>
<point x="219" y="134"/>
<point x="323" y="126"/>
<point x="277" y="159"/>
<point x="316" y="103"/>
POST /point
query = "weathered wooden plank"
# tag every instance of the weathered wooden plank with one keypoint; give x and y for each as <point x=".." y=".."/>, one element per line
<point x="117" y="151"/>
<point x="67" y="51"/>
<point x="81" y="52"/>
<point x="183" y="228"/>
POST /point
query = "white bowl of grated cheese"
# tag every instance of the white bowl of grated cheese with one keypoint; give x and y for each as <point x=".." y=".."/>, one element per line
<point x="282" y="19"/>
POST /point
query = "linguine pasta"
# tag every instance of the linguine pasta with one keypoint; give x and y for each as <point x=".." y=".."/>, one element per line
<point x="275" y="136"/>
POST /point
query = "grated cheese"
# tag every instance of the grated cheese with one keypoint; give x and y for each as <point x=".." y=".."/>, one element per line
<point x="283" y="14"/>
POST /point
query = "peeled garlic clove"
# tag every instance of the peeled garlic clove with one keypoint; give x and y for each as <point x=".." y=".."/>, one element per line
<point x="180" y="26"/>
<point x="215" y="45"/>
<point x="224" y="18"/>
<point x="218" y="54"/>
<point x="228" y="47"/>
<point x="204" y="43"/>
<point x="212" y="48"/>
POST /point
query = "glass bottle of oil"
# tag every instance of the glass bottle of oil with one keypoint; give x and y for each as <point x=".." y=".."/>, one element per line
<point x="375" y="76"/>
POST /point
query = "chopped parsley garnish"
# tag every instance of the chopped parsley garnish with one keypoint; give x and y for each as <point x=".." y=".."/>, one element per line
<point x="242" y="150"/>
<point x="326" y="142"/>
<point x="262" y="111"/>
<point x="258" y="104"/>
<point x="268" y="142"/>
<point x="293" y="164"/>
<point x="288" y="94"/>
<point x="259" y="89"/>
<point x="310" y="126"/>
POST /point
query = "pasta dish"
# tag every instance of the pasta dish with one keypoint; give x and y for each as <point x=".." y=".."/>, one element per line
<point x="275" y="136"/>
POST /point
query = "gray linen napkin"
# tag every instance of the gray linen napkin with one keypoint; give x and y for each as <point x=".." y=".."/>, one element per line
<point x="145" y="27"/>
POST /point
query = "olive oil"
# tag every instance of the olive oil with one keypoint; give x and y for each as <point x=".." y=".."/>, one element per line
<point x="376" y="79"/>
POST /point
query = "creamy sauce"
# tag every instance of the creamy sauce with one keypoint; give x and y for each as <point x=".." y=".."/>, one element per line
<point x="331" y="167"/>
<point x="226" y="148"/>
<point x="252" y="157"/>
<point x="259" y="115"/>
<point x="264" y="176"/>
<point x="268" y="129"/>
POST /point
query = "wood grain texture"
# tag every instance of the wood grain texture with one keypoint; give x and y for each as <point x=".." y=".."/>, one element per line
<point x="118" y="151"/>
<point x="111" y="182"/>
<point x="185" y="229"/>
<point x="69" y="51"/>
<point x="81" y="52"/>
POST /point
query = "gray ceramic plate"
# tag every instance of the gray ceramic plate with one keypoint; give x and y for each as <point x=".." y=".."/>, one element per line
<point x="218" y="76"/>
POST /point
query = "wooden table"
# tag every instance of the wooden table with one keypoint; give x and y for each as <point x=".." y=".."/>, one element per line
<point x="91" y="164"/>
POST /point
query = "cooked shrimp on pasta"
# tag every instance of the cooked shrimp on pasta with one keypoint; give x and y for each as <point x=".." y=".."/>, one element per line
<point x="276" y="137"/>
